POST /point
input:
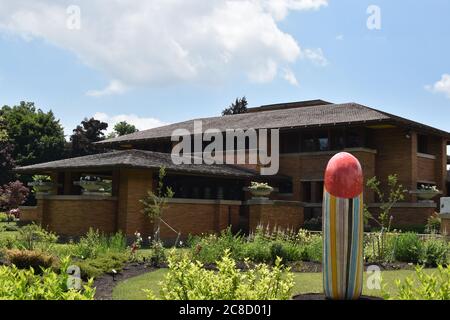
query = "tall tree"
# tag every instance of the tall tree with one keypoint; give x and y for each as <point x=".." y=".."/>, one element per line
<point x="6" y="160"/>
<point x="123" y="128"/>
<point x="238" y="107"/>
<point x="37" y="136"/>
<point x="85" y="135"/>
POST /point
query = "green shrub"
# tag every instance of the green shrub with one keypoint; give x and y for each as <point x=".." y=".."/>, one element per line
<point x="210" y="248"/>
<point x="11" y="228"/>
<point x="407" y="247"/>
<point x="188" y="280"/>
<point x="425" y="286"/>
<point x="16" y="284"/>
<point x="257" y="251"/>
<point x="93" y="244"/>
<point x="103" y="263"/>
<point x="26" y="259"/>
<point x="4" y="217"/>
<point x="435" y="252"/>
<point x="32" y="236"/>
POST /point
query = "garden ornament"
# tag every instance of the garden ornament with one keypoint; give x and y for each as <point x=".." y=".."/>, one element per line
<point x="343" y="228"/>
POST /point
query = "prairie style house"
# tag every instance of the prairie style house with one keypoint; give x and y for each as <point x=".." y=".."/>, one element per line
<point x="209" y="198"/>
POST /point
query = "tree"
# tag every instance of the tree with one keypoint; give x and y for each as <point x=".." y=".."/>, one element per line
<point x="238" y="107"/>
<point x="7" y="162"/>
<point x="85" y="135"/>
<point x="36" y="135"/>
<point x="155" y="203"/>
<point x="123" y="128"/>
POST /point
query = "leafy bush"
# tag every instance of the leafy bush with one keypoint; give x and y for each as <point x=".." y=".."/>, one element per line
<point x="407" y="247"/>
<point x="13" y="195"/>
<point x="435" y="252"/>
<point x="210" y="248"/>
<point x="4" y="217"/>
<point x="16" y="284"/>
<point x="313" y="250"/>
<point x="379" y="246"/>
<point x="25" y="259"/>
<point x="425" y="286"/>
<point x="94" y="244"/>
<point x="433" y="223"/>
<point x="188" y="280"/>
<point x="103" y="263"/>
<point x="34" y="236"/>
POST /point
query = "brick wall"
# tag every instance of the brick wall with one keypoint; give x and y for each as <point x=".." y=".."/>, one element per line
<point x="29" y="214"/>
<point x="407" y="214"/>
<point x="426" y="168"/>
<point x="275" y="214"/>
<point x="74" y="215"/>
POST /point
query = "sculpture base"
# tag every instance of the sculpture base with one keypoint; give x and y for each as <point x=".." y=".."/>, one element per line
<point x="321" y="296"/>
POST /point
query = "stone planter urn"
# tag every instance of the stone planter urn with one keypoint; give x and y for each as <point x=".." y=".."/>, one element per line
<point x="42" y="187"/>
<point x="260" y="190"/>
<point x="92" y="187"/>
<point x="426" y="195"/>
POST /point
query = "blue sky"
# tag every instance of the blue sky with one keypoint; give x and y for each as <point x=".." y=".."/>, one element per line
<point x="284" y="51"/>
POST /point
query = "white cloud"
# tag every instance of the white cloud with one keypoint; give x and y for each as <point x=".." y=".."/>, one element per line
<point x="114" y="87"/>
<point x="138" y="122"/>
<point x="316" y="56"/>
<point x="290" y="77"/>
<point x="441" y="86"/>
<point x="164" y="42"/>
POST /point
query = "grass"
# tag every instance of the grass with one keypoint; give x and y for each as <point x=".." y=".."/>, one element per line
<point x="132" y="289"/>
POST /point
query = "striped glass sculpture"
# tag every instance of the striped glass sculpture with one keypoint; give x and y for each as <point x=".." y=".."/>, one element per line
<point x="343" y="228"/>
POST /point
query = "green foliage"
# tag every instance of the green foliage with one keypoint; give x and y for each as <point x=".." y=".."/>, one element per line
<point x="158" y="255"/>
<point x="155" y="203"/>
<point x="33" y="237"/>
<point x="433" y="224"/>
<point x="124" y="128"/>
<point x="26" y="259"/>
<point x="6" y="155"/>
<point x="4" y="217"/>
<point x="379" y="246"/>
<point x="102" y="263"/>
<point x="435" y="252"/>
<point x="36" y="135"/>
<point x="18" y="284"/>
<point x="238" y="107"/>
<point x="93" y="244"/>
<point x="407" y="247"/>
<point x="12" y="195"/>
<point x="425" y="286"/>
<point x="188" y="280"/>
<point x="85" y="135"/>
<point x="396" y="194"/>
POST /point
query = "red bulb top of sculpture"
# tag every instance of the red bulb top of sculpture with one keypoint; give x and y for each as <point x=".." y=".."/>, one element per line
<point x="344" y="176"/>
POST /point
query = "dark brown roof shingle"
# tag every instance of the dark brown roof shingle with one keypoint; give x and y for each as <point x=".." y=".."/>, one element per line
<point x="318" y="115"/>
<point x="137" y="159"/>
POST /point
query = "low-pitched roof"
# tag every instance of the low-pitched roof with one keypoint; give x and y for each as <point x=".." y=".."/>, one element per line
<point x="138" y="159"/>
<point x="314" y="116"/>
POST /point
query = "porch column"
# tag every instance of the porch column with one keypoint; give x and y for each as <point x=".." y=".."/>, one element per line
<point x="133" y="187"/>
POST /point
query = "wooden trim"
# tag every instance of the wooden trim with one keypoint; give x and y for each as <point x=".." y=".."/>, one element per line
<point x="426" y="156"/>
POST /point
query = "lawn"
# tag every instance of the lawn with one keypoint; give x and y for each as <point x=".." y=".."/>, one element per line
<point x="132" y="289"/>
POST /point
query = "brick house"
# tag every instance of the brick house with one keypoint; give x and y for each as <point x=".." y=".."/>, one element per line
<point x="209" y="198"/>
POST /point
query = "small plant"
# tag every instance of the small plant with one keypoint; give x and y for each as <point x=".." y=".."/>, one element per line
<point x="91" y="179"/>
<point x="136" y="245"/>
<point x="259" y="186"/>
<point x="155" y="203"/>
<point x="407" y="247"/>
<point x="26" y="259"/>
<point x="435" y="252"/>
<point x="430" y="188"/>
<point x="158" y="253"/>
<point x="425" y="286"/>
<point x="33" y="236"/>
<point x="103" y="263"/>
<point x="188" y="280"/>
<point x="433" y="223"/>
<point x="93" y="244"/>
<point x="4" y="217"/>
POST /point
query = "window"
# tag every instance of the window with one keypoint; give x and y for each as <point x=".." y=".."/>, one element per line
<point x="285" y="187"/>
<point x="354" y="139"/>
<point x="289" y="142"/>
<point x="317" y="141"/>
<point x="422" y="144"/>
<point x="312" y="191"/>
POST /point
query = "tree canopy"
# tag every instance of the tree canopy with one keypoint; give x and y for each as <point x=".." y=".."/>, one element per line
<point x="85" y="135"/>
<point x="123" y="128"/>
<point x="6" y="161"/>
<point x="237" y="107"/>
<point x="36" y="136"/>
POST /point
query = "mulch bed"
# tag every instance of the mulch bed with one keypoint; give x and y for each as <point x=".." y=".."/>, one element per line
<point x="105" y="284"/>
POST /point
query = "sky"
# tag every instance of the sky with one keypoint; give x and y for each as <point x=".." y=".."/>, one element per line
<point x="163" y="61"/>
